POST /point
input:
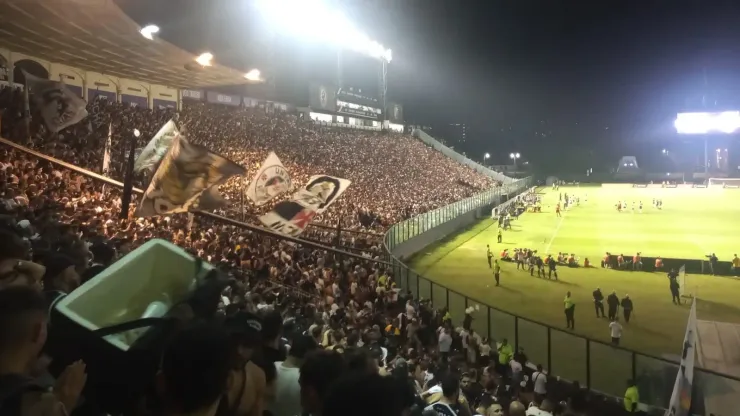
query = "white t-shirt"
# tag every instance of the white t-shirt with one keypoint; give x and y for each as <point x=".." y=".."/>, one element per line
<point x="287" y="400"/>
<point x="536" y="411"/>
<point x="516" y="367"/>
<point x="445" y="342"/>
<point x="540" y="382"/>
<point x="616" y="329"/>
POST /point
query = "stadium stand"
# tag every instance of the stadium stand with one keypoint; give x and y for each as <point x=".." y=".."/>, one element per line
<point x="285" y="300"/>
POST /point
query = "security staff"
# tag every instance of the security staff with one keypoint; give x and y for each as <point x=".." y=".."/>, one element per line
<point x="631" y="397"/>
<point x="500" y="236"/>
<point x="552" y="266"/>
<point x="599" y="303"/>
<point x="675" y="292"/>
<point x="570" y="308"/>
<point x="612" y="301"/>
<point x="626" y="308"/>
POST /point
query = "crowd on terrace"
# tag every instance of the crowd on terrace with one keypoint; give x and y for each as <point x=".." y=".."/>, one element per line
<point x="334" y="335"/>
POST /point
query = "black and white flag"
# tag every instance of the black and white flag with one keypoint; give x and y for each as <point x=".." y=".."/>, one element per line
<point x="157" y="147"/>
<point x="59" y="106"/>
<point x="271" y="180"/>
<point x="186" y="179"/>
<point x="293" y="216"/>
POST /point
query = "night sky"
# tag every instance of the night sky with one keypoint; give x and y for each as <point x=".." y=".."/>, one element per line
<point x="569" y="84"/>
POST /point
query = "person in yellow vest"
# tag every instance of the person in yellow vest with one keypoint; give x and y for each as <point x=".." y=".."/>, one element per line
<point x="570" y="308"/>
<point x="631" y="397"/>
<point x="735" y="265"/>
<point x="500" y="235"/>
<point x="505" y="354"/>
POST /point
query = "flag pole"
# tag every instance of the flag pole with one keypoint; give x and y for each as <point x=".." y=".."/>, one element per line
<point x="244" y="190"/>
<point x="128" y="182"/>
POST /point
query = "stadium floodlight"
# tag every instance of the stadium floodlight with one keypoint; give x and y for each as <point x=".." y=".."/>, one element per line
<point x="665" y="151"/>
<point x="204" y="59"/>
<point x="315" y="20"/>
<point x="149" y="31"/>
<point x="486" y="156"/>
<point x="515" y="156"/>
<point x="703" y="123"/>
<point x="253" y="75"/>
<point x="137" y="133"/>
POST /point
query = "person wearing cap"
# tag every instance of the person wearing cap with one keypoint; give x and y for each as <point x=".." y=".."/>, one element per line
<point x="247" y="382"/>
<point x="60" y="274"/>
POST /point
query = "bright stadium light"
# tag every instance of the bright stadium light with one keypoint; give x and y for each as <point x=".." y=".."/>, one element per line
<point x="486" y="156"/>
<point x="253" y="75"/>
<point x="204" y="59"/>
<point x="703" y="123"/>
<point x="314" y="20"/>
<point x="665" y="151"/>
<point x="149" y="31"/>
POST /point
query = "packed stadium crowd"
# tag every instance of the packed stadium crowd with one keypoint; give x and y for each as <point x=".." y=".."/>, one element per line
<point x="298" y="330"/>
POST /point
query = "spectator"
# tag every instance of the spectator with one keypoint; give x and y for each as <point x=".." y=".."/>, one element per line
<point x="22" y="336"/>
<point x="366" y="395"/>
<point x="539" y="380"/>
<point x="272" y="330"/>
<point x="103" y="256"/>
<point x="247" y="382"/>
<point x="318" y="372"/>
<point x="448" y="403"/>
<point x="188" y="383"/>
<point x="287" y="400"/>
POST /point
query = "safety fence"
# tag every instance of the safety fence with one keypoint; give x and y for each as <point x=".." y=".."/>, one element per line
<point x="597" y="365"/>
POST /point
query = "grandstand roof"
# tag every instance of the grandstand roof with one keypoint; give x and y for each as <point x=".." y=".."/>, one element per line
<point x="98" y="36"/>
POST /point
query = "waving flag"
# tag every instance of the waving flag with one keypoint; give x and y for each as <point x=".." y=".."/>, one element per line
<point x="187" y="179"/>
<point x="271" y="180"/>
<point x="106" y="153"/>
<point x="680" y="403"/>
<point x="157" y="147"/>
<point x="59" y="106"/>
<point x="293" y="216"/>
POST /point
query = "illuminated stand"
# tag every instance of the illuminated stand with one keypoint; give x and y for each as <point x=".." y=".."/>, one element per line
<point x="627" y="164"/>
<point x="725" y="122"/>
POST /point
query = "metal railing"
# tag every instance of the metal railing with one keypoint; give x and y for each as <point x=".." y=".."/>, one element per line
<point x="599" y="366"/>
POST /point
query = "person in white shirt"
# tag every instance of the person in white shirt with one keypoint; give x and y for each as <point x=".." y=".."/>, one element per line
<point x="539" y="380"/>
<point x="445" y="343"/>
<point x="517" y="375"/>
<point x="544" y="409"/>
<point x="616" y="330"/>
<point x="287" y="399"/>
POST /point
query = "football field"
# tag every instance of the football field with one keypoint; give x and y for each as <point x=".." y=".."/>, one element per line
<point x="691" y="224"/>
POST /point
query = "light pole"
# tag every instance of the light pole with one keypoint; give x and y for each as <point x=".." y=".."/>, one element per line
<point x="514" y="157"/>
<point x="486" y="157"/>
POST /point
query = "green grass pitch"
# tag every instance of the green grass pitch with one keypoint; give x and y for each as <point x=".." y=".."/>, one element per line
<point x="693" y="222"/>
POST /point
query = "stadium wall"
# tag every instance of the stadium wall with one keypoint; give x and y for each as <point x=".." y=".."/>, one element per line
<point x="431" y="141"/>
<point x="415" y="234"/>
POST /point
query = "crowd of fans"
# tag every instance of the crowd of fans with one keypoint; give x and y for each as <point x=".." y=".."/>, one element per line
<point x="299" y="330"/>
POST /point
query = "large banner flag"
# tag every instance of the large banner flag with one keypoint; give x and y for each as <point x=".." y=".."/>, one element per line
<point x="328" y="188"/>
<point x="59" y="106"/>
<point x="157" y="147"/>
<point x="187" y="178"/>
<point x="681" y="397"/>
<point x="293" y="216"/>
<point x="271" y="180"/>
<point x="106" y="153"/>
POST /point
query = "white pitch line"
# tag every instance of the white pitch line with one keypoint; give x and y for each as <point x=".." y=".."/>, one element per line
<point x="555" y="233"/>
